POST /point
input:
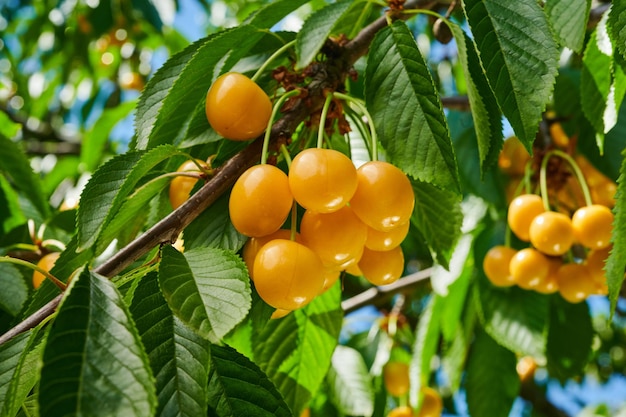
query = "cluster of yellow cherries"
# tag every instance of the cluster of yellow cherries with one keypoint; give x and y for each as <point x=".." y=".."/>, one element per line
<point x="567" y="252"/>
<point x="354" y="219"/>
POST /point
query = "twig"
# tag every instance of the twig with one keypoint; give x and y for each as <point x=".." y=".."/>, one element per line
<point x="368" y="296"/>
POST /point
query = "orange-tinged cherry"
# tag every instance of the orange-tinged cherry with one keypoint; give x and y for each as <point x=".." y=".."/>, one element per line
<point x="496" y="265"/>
<point x="575" y="282"/>
<point x="552" y="233"/>
<point x="593" y="226"/>
<point x="260" y="201"/>
<point x="384" y="197"/>
<point x="46" y="263"/>
<point x="322" y="180"/>
<point x="181" y="186"/>
<point x="382" y="241"/>
<point x="336" y="237"/>
<point x="522" y="211"/>
<point x="529" y="267"/>
<point x="287" y="274"/>
<point x="237" y="108"/>
<point x="382" y="268"/>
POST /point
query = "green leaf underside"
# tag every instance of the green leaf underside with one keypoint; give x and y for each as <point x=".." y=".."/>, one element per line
<point x="515" y="318"/>
<point x="617" y="24"/>
<point x="295" y="351"/>
<point x="187" y="80"/>
<point x="425" y="346"/>
<point x="406" y="109"/>
<point x="14" y="290"/>
<point x="179" y="358"/>
<point x="214" y="229"/>
<point x="350" y="382"/>
<point x="93" y="362"/>
<point x="492" y="381"/>
<point x="316" y="30"/>
<point x="130" y="210"/>
<point x="437" y="214"/>
<point x="207" y="288"/>
<point x="109" y="186"/>
<point x="616" y="263"/>
<point x="569" y="21"/>
<point x="237" y="387"/>
<point x="485" y="111"/>
<point x="570" y="335"/>
<point x="520" y="58"/>
<point x="15" y="165"/>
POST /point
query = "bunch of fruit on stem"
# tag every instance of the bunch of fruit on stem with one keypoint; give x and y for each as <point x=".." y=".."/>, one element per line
<point x="397" y="383"/>
<point x="354" y="220"/>
<point x="567" y="252"/>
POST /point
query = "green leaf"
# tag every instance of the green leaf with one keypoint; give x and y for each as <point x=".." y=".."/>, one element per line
<point x="15" y="165"/>
<point x="93" y="362"/>
<point x="168" y="103"/>
<point x="23" y="377"/>
<point x="8" y="128"/>
<point x="438" y="217"/>
<point x="207" y="288"/>
<point x="570" y="335"/>
<point x="272" y="13"/>
<point x="237" y="387"/>
<point x="316" y="30"/>
<point x="485" y="111"/>
<point x="296" y="351"/>
<point x="158" y="87"/>
<point x="179" y="358"/>
<point x="492" y="381"/>
<point x="406" y="110"/>
<point x="603" y="83"/>
<point x="95" y="139"/>
<point x="109" y="186"/>
<point x="131" y="209"/>
<point x="214" y="229"/>
<point x="14" y="289"/>
<point x="515" y="318"/>
<point x="11" y="356"/>
<point x="520" y="58"/>
<point x="350" y="383"/>
<point x="616" y="263"/>
<point x="569" y="21"/>
<point x="617" y="24"/>
<point x="425" y="346"/>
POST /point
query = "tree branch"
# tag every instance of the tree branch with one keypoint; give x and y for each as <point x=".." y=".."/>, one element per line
<point x="368" y="296"/>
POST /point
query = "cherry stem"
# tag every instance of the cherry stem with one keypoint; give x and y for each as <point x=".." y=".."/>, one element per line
<point x="364" y="110"/>
<point x="272" y="57"/>
<point x="577" y="172"/>
<point x="320" y="130"/>
<point x="294" y="208"/>
<point x="268" y="132"/>
<point x="55" y="280"/>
